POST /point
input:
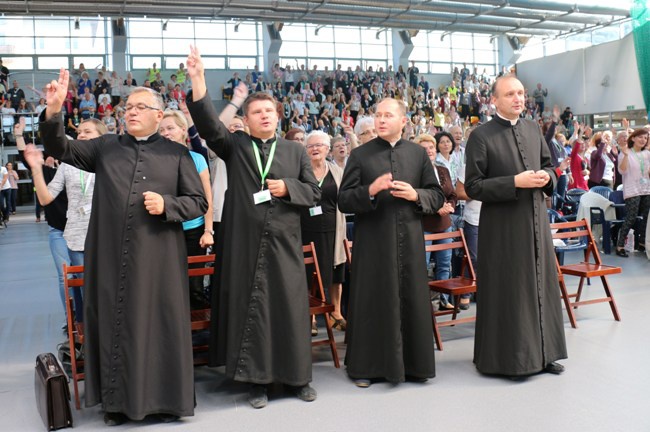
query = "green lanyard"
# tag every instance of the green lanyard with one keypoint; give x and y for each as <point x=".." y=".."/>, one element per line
<point x="83" y="183"/>
<point x="320" y="183"/>
<point x="264" y="172"/>
<point x="640" y="160"/>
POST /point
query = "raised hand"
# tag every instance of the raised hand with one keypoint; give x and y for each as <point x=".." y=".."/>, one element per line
<point x="34" y="157"/>
<point x="19" y="128"/>
<point x="240" y="94"/>
<point x="55" y="93"/>
<point x="196" y="71"/>
<point x="194" y="63"/>
<point x="556" y="112"/>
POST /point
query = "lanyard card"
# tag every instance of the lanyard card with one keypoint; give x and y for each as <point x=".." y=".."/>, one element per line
<point x="262" y="196"/>
<point x="315" y="211"/>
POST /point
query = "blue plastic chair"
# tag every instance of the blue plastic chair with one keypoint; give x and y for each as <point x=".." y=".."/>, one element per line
<point x="603" y="191"/>
<point x="555" y="217"/>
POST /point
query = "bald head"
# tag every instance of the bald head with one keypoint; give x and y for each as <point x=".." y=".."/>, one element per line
<point x="503" y="79"/>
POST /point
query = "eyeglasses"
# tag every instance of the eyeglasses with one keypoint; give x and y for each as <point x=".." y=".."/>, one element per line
<point x="311" y="146"/>
<point x="140" y="107"/>
<point x="368" y="132"/>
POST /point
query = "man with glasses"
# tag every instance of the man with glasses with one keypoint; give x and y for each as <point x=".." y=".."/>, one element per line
<point x="261" y="331"/>
<point x="138" y="347"/>
<point x="389" y="183"/>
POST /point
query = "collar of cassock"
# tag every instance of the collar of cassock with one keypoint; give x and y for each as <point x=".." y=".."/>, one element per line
<point x="146" y="140"/>
<point x="505" y="121"/>
<point x="260" y="141"/>
<point x="388" y="142"/>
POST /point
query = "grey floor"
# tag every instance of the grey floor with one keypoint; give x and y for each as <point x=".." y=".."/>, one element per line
<point x="606" y="386"/>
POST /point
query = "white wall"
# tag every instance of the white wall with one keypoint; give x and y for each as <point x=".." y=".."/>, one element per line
<point x="574" y="78"/>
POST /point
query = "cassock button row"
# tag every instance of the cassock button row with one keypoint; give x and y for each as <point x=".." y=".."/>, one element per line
<point x="114" y="357"/>
<point x="115" y="346"/>
<point x="113" y="380"/>
<point x="121" y="299"/>
<point x="123" y="275"/>
<point x="266" y="233"/>
<point x="130" y="215"/>
<point x="128" y="227"/>
<point x="118" y="322"/>
<point x="114" y="369"/>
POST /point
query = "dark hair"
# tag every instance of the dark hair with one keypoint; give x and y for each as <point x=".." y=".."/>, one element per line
<point x="635" y="134"/>
<point x="257" y="96"/>
<point x="291" y="133"/>
<point x="445" y="134"/>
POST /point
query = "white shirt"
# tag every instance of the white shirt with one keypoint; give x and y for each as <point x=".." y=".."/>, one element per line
<point x="472" y="212"/>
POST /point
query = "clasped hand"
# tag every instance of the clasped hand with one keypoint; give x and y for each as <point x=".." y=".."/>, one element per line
<point x="532" y="179"/>
<point x="398" y="189"/>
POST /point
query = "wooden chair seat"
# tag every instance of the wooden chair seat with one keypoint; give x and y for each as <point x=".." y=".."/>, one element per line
<point x="590" y="270"/>
<point x="318" y="304"/>
<point x="590" y="267"/>
<point x="455" y="287"/>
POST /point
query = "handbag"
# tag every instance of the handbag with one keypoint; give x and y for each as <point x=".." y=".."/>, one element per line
<point x="52" y="392"/>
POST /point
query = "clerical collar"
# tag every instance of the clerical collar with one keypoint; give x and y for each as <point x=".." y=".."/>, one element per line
<point x="144" y="138"/>
<point x="264" y="141"/>
<point x="512" y="122"/>
<point x="392" y="143"/>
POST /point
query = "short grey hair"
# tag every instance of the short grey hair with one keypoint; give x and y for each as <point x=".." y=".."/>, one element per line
<point x="319" y="134"/>
<point x="363" y="121"/>
<point x="157" y="97"/>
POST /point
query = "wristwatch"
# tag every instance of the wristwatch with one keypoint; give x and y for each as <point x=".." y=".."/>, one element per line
<point x="209" y="231"/>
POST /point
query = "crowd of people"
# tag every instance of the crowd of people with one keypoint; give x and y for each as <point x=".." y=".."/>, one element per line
<point x="290" y="157"/>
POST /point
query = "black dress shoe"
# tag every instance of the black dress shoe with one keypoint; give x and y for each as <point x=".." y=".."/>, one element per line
<point x="554" y="368"/>
<point x="115" y="418"/>
<point x="168" y="418"/>
<point x="257" y="396"/>
<point x="622" y="253"/>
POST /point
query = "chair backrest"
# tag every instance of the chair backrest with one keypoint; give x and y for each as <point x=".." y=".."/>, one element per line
<point x="580" y="231"/>
<point x="310" y="258"/>
<point x="457" y="242"/>
<point x="555" y="216"/>
<point x="73" y="281"/>
<point x="597" y="215"/>
<point x="601" y="190"/>
<point x="348" y="250"/>
<point x="201" y="271"/>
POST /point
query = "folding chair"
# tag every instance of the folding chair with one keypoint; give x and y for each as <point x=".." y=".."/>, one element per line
<point x="454" y="287"/>
<point x="592" y="266"/>
<point x="201" y="317"/>
<point x="318" y="304"/>
<point x="73" y="280"/>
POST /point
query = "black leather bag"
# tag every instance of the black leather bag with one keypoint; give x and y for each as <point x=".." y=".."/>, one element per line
<point x="52" y="392"/>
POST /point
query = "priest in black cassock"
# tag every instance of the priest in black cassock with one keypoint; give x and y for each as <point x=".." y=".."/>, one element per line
<point x="389" y="183"/>
<point x="519" y="325"/>
<point x="260" y="330"/>
<point x="138" y="347"/>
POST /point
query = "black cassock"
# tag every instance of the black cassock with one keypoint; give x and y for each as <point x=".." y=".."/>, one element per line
<point x="519" y="325"/>
<point x="260" y="330"/>
<point x="390" y="332"/>
<point x="138" y="346"/>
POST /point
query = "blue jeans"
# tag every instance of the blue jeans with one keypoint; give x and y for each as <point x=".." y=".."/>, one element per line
<point x="77" y="259"/>
<point x="5" y="202"/>
<point x="442" y="259"/>
<point x="471" y="238"/>
<point x="59" y="250"/>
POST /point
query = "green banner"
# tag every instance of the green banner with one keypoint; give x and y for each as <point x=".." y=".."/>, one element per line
<point x="640" y="15"/>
